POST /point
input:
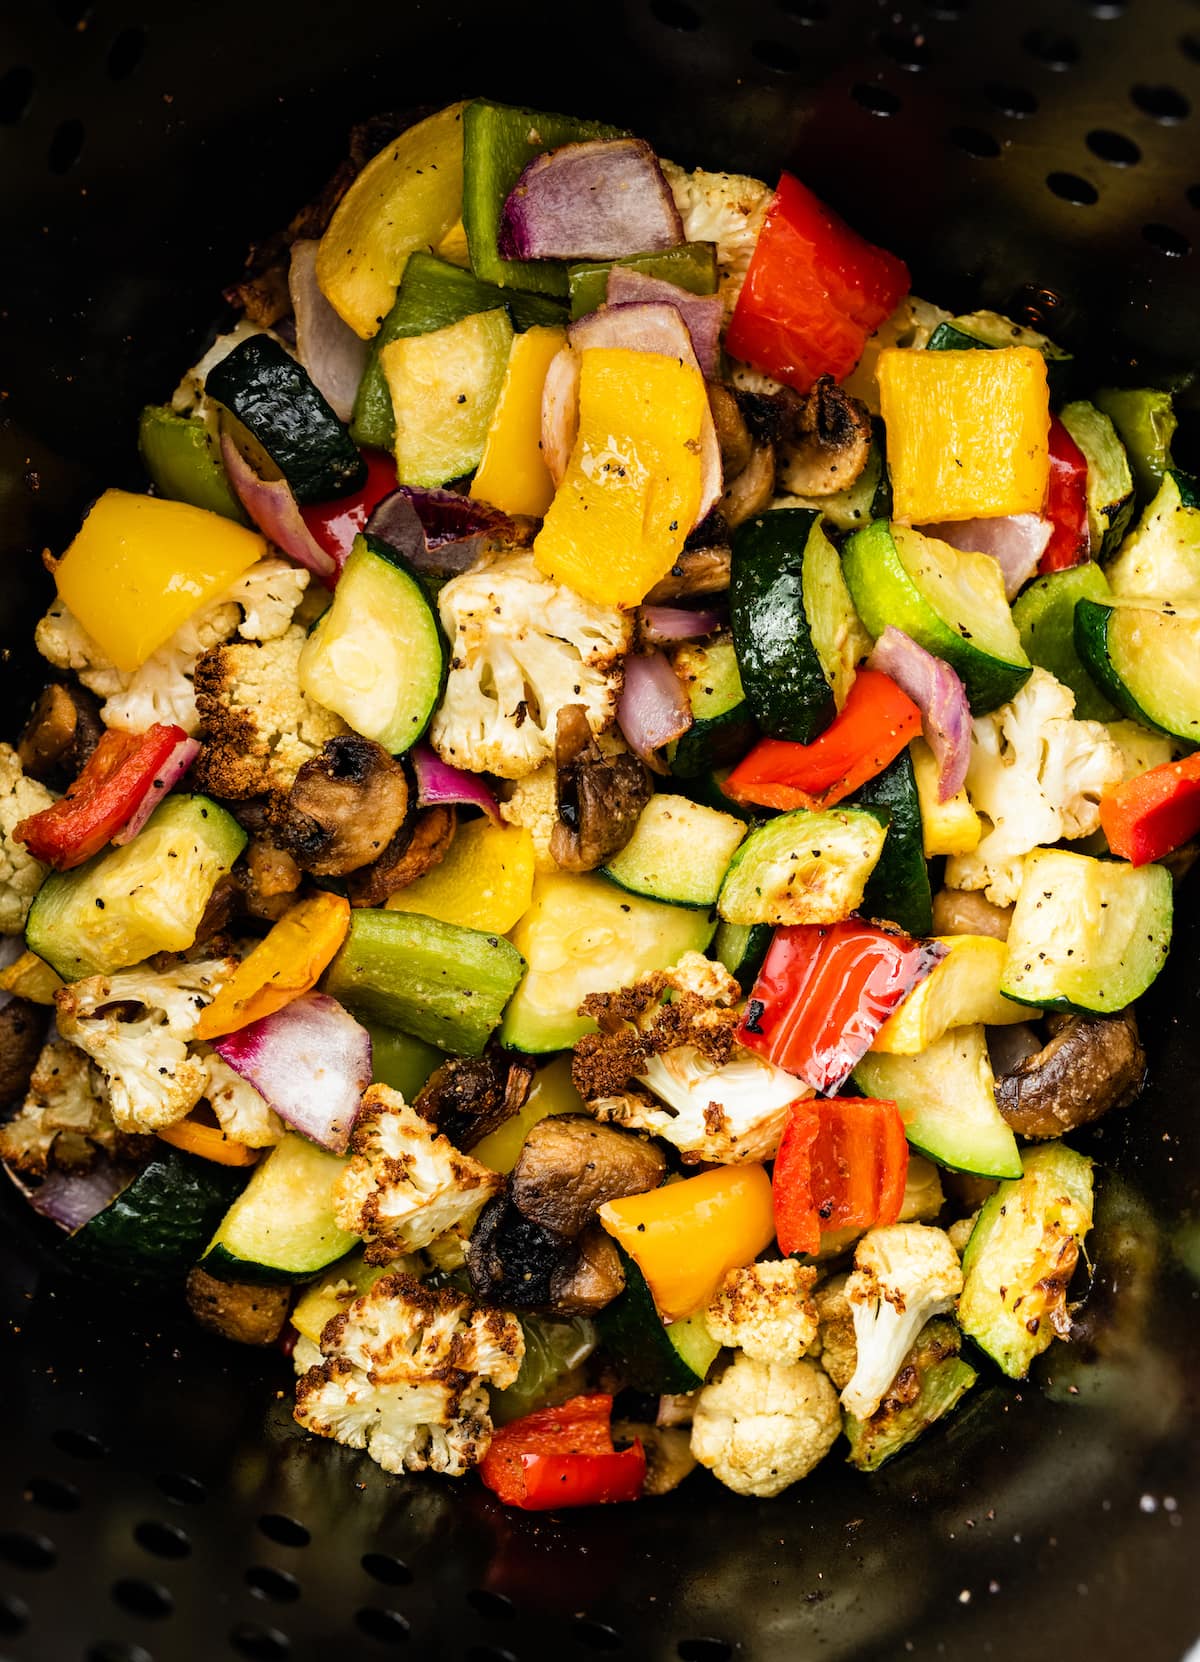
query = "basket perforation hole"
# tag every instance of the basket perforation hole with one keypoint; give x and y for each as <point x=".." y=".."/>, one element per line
<point x="975" y="141"/>
<point x="495" y="1606"/>
<point x="14" y="1615"/>
<point x="595" y="1635"/>
<point x="142" y="1598"/>
<point x="1014" y="101"/>
<point x="80" y="1445"/>
<point x="382" y="1567"/>
<point x="164" y="1540"/>
<point x="808" y="12"/>
<point x="386" y="1627"/>
<point x="774" y="54"/>
<point x="704" y="1650"/>
<point x="53" y="1495"/>
<point x="26" y="1551"/>
<point x="907" y="48"/>
<point x="675" y="14"/>
<point x="1167" y="240"/>
<point x="182" y="1489"/>
<point x="126" y="53"/>
<point x="269" y="1583"/>
<point x="875" y="99"/>
<point x="259" y="1644"/>
<point x="116" y="1650"/>
<point x="1113" y="147"/>
<point x="16" y="91"/>
<point x="1160" y="103"/>
<point x="284" y="1531"/>
<point x="66" y="145"/>
<point x="1056" y="51"/>
<point x="1081" y="193"/>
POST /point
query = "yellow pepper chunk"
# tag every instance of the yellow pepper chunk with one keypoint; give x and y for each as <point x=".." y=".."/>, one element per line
<point x="632" y="488"/>
<point x="552" y="1092"/>
<point x="407" y="197"/>
<point x="961" y="991"/>
<point x="140" y="566"/>
<point x="951" y="827"/>
<point x="484" y="882"/>
<point x="968" y="433"/>
<point x="453" y="246"/>
<point x="289" y="960"/>
<point x="512" y="475"/>
<point x="685" y="1237"/>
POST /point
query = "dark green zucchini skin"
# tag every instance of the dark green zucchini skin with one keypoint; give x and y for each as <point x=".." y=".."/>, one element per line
<point x="633" y="1335"/>
<point x="785" y="684"/>
<point x="274" y="399"/>
<point x="898" y="889"/>
<point x="156" y="1229"/>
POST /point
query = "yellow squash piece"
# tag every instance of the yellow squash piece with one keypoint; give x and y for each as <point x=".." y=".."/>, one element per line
<point x="967" y="432"/>
<point x="338" y="1287"/>
<point x="552" y="1092"/>
<point x="444" y="387"/>
<point x="685" y="1237"/>
<point x="484" y="882"/>
<point x="140" y="566"/>
<point x="962" y="991"/>
<point x="31" y="977"/>
<point x="512" y="475"/>
<point x="631" y="491"/>
<point x="951" y="827"/>
<point x="408" y="197"/>
<point x="453" y="246"/>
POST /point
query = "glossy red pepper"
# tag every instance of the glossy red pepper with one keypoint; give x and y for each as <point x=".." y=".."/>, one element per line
<point x="813" y="292"/>
<point x="334" y="525"/>
<point x="1147" y="817"/>
<point x="825" y="990"/>
<point x="870" y="731"/>
<point x="1066" y="503"/>
<point x="119" y="772"/>
<point x="841" y="1164"/>
<point x="563" y="1457"/>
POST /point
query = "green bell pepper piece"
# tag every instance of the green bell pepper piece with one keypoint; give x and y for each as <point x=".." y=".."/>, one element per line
<point x="691" y="266"/>
<point x="183" y="458"/>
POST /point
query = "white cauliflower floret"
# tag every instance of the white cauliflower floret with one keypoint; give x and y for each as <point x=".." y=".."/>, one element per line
<point x="403" y="1376"/>
<point x="534" y="804"/>
<point x="151" y="1078"/>
<point x="242" y="1112"/>
<point x="64" y="1119"/>
<point x="405" y="1184"/>
<point x="733" y="1112"/>
<point x="765" y="1310"/>
<point x="904" y="1274"/>
<point x="1037" y="776"/>
<point x="725" y="208"/>
<point x="21" y="876"/>
<point x="258" y="605"/>
<point x="764" y="1425"/>
<point x="522" y="647"/>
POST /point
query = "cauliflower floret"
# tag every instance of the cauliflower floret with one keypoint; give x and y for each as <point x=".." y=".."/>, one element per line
<point x="242" y="1112"/>
<point x="765" y="1311"/>
<point x="725" y="208"/>
<point x="764" y="1425"/>
<point x="904" y="1274"/>
<point x="151" y="1078"/>
<point x="404" y="1374"/>
<point x="835" y="1331"/>
<point x="258" y="726"/>
<point x="21" y="876"/>
<point x="1037" y="775"/>
<point x="534" y="804"/>
<point x="405" y="1184"/>
<point x="257" y="605"/>
<point x="522" y="647"/>
<point x="961" y="1230"/>
<point x="64" y="1120"/>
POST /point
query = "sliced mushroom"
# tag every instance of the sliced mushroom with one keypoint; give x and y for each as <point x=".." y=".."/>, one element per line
<point x="512" y="1261"/>
<point x="344" y="808"/>
<point x="247" y="1313"/>
<point x="63" y="729"/>
<point x="752" y="490"/>
<point x="967" y="912"/>
<point x="593" y="1280"/>
<point x="414" y="850"/>
<point x="733" y="436"/>
<point x="22" y="1030"/>
<point x="570" y="1165"/>
<point x="1090" y="1065"/>
<point x="668" y="1450"/>
<point x="225" y="901"/>
<point x="828" y="443"/>
<point x="697" y="571"/>
<point x="468" y="1097"/>
<point x="600" y="798"/>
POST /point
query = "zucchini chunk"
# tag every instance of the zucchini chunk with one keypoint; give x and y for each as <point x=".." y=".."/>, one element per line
<point x="741" y="947"/>
<point x="649" y="1355"/>
<point x="1109" y="480"/>
<point x="1161" y="559"/>
<point x="444" y="387"/>
<point x="679" y="852"/>
<point x="1044" y="613"/>
<point x="281" y="1227"/>
<point x="722" y="727"/>
<point x="804" y="866"/>
<point x="898" y="889"/>
<point x="1144" y="658"/>
<point x="931" y="1380"/>
<point x="156" y="1228"/>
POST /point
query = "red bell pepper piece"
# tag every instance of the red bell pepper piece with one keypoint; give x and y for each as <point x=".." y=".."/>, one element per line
<point x="334" y="525"/>
<point x="870" y="731"/>
<point x="813" y="292"/>
<point x="841" y="1164"/>
<point x="119" y="772"/>
<point x="825" y="990"/>
<point x="1066" y="503"/>
<point x="1147" y="817"/>
<point x="563" y="1457"/>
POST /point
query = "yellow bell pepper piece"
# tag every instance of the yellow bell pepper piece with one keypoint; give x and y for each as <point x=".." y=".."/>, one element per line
<point x="140" y="566"/>
<point x="685" y="1237"/>
<point x="512" y="475"/>
<point x="407" y="197"/>
<point x="209" y="1142"/>
<point x="288" y="961"/>
<point x="31" y="977"/>
<point x="962" y="991"/>
<point x="951" y="827"/>
<point x="453" y="246"/>
<point x="968" y="433"/>
<point x="632" y="487"/>
<point x="552" y="1092"/>
<point x="484" y="882"/>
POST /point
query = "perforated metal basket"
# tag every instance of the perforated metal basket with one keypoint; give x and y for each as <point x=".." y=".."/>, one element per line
<point x="156" y="1501"/>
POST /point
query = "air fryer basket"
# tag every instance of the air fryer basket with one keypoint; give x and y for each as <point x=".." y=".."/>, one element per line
<point x="156" y="1501"/>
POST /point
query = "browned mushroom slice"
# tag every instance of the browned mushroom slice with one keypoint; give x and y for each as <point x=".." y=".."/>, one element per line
<point x="733" y="436"/>
<point x="63" y="729"/>
<point x="697" y="571"/>
<point x="512" y="1261"/>
<point x="592" y="1280"/>
<point x="468" y="1097"/>
<point x="1090" y="1065"/>
<point x="752" y="490"/>
<point x="344" y="808"/>
<point x="413" y="851"/>
<point x="668" y="1449"/>
<point x="247" y="1313"/>
<point x="600" y="797"/>
<point x="828" y="445"/>
<point x="570" y="1165"/>
<point x="22" y="1029"/>
<point x="967" y="912"/>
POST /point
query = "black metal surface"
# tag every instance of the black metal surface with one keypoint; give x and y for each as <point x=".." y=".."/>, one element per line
<point x="155" y="1499"/>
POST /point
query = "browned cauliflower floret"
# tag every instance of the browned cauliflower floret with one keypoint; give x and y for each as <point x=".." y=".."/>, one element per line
<point x="21" y="875"/>
<point x="64" y="1121"/>
<point x="836" y="1348"/>
<point x="765" y="1310"/>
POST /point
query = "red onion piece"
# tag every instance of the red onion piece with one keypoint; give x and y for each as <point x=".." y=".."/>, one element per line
<point x="326" y="345"/>
<point x="1016" y="542"/>
<point x="275" y="511"/>
<point x="311" y="1061"/>
<point x="438" y="782"/>
<point x="653" y="707"/>
<point x="71" y="1199"/>
<point x="941" y="698"/>
<point x="660" y="624"/>
<point x="591" y="201"/>
<point x="560" y="411"/>
<point x="439" y="532"/>
<point x="703" y="313"/>
<point x="168" y="776"/>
